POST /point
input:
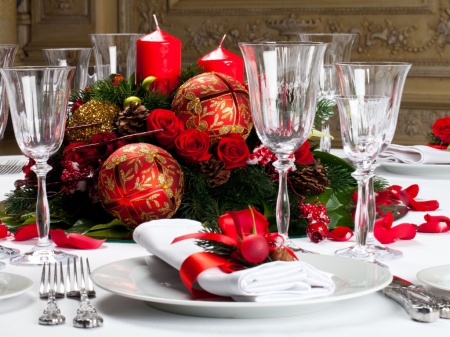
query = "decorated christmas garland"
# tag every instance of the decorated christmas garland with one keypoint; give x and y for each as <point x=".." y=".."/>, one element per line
<point x="133" y="153"/>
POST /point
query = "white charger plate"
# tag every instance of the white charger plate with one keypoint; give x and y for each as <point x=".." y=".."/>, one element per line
<point x="421" y="170"/>
<point x="152" y="280"/>
<point x="13" y="285"/>
<point x="438" y="277"/>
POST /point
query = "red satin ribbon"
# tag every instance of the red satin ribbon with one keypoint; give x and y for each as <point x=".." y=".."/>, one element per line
<point x="197" y="263"/>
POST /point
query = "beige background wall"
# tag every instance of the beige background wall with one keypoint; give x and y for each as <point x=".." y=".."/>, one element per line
<point x="416" y="31"/>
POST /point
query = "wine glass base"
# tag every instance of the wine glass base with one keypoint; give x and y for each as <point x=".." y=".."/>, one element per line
<point x="355" y="252"/>
<point x="383" y="253"/>
<point x="39" y="256"/>
<point x="6" y="253"/>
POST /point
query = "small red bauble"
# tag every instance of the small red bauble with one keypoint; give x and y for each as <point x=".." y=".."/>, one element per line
<point x="140" y="182"/>
<point x="254" y="248"/>
<point x="317" y="231"/>
<point x="214" y="103"/>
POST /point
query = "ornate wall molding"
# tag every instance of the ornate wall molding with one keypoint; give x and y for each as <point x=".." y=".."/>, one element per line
<point x="68" y="12"/>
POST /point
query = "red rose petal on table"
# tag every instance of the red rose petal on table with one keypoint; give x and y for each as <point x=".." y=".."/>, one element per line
<point x="3" y="231"/>
<point x="340" y="233"/>
<point x="26" y="232"/>
<point x="421" y="206"/>
<point x="434" y="224"/>
<point x="84" y="242"/>
<point x="385" y="233"/>
<point x="59" y="237"/>
<point x="412" y="190"/>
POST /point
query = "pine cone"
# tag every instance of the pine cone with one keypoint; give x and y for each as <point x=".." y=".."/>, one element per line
<point x="280" y="254"/>
<point x="214" y="168"/>
<point x="132" y="120"/>
<point x="311" y="180"/>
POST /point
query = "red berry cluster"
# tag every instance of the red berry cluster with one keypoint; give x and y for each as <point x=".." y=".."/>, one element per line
<point x="316" y="213"/>
<point x="74" y="178"/>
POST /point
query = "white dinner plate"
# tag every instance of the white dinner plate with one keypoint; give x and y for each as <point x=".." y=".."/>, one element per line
<point x="152" y="280"/>
<point x="13" y="285"/>
<point x="438" y="277"/>
<point x="421" y="170"/>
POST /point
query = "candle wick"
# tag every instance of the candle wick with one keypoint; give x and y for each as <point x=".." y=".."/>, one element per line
<point x="156" y="21"/>
<point x="220" y="45"/>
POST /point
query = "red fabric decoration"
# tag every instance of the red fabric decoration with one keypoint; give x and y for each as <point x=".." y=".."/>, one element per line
<point x="434" y="224"/>
<point x="74" y="240"/>
<point x="26" y="232"/>
<point x="340" y="233"/>
<point x="385" y="233"/>
<point x="3" y="231"/>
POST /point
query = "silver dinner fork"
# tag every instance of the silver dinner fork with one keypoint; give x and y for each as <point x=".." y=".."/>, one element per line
<point x="12" y="166"/>
<point x="52" y="314"/>
<point x="87" y="316"/>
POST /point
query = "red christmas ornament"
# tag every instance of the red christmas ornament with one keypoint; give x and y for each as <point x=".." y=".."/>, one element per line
<point x="214" y="103"/>
<point x="254" y="248"/>
<point x="317" y="231"/>
<point x="140" y="182"/>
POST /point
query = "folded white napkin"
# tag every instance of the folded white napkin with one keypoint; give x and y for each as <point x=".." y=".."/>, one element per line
<point x="275" y="281"/>
<point x="418" y="154"/>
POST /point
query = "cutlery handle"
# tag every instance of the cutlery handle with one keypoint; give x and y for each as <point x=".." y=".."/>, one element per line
<point x="442" y="302"/>
<point x="420" y="308"/>
<point x="87" y="316"/>
<point x="52" y="314"/>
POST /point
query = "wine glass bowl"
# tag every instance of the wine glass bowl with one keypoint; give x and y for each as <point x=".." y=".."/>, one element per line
<point x="38" y="98"/>
<point x="338" y="50"/>
<point x="283" y="81"/>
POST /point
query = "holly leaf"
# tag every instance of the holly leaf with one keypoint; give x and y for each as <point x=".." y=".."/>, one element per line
<point x="340" y="217"/>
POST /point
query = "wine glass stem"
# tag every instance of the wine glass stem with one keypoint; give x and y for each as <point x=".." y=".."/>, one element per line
<point x="283" y="212"/>
<point x="362" y="219"/>
<point x="42" y="209"/>
<point x="372" y="209"/>
<point x="325" y="142"/>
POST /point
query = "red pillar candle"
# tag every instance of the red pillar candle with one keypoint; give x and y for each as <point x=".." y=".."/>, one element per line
<point x="223" y="61"/>
<point x="159" y="54"/>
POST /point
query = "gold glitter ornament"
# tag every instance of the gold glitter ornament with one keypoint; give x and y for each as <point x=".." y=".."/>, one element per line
<point x="90" y="113"/>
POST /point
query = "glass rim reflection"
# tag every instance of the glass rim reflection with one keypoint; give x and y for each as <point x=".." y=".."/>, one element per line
<point x="373" y="63"/>
<point x="282" y="43"/>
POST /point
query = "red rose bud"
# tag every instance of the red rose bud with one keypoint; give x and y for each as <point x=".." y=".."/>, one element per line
<point x="79" y="102"/>
<point x="254" y="248"/>
<point x="167" y="120"/>
<point x="441" y="129"/>
<point x="193" y="146"/>
<point x="317" y="231"/>
<point x="233" y="151"/>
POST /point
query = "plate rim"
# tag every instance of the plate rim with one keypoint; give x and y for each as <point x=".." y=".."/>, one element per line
<point x="29" y="284"/>
<point x="421" y="278"/>
<point x="230" y="305"/>
<point x="411" y="169"/>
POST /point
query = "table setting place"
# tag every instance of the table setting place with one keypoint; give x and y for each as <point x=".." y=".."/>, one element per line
<point x="207" y="200"/>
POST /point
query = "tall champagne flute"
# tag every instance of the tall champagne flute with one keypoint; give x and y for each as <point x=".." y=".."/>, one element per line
<point x="375" y="78"/>
<point x="283" y="81"/>
<point x="38" y="98"/>
<point x="338" y="50"/>
<point x="7" y="54"/>
<point x="363" y="124"/>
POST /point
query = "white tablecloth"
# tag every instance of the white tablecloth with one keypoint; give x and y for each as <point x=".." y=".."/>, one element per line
<point x="371" y="315"/>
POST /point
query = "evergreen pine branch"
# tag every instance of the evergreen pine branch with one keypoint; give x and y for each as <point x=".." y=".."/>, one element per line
<point x="157" y="100"/>
<point x="324" y="111"/>
<point x="340" y="178"/>
<point x="380" y="183"/>
<point x="432" y="139"/>
<point x="189" y="72"/>
<point x="105" y="91"/>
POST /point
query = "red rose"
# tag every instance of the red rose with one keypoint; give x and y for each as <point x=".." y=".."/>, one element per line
<point x="441" y="129"/>
<point x="79" y="102"/>
<point x="103" y="152"/>
<point x="193" y="146"/>
<point x="81" y="156"/>
<point x="169" y="122"/>
<point x="233" y="151"/>
<point x="304" y="156"/>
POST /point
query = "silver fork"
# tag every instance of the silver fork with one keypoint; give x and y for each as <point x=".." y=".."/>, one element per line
<point x="87" y="316"/>
<point x="52" y="314"/>
<point x="11" y="167"/>
<point x="72" y="282"/>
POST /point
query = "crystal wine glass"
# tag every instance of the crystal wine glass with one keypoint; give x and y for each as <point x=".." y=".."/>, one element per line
<point x="283" y="81"/>
<point x="73" y="57"/>
<point x="363" y="124"/>
<point x="339" y="50"/>
<point x="383" y="79"/>
<point x="7" y="54"/>
<point x="38" y="98"/>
